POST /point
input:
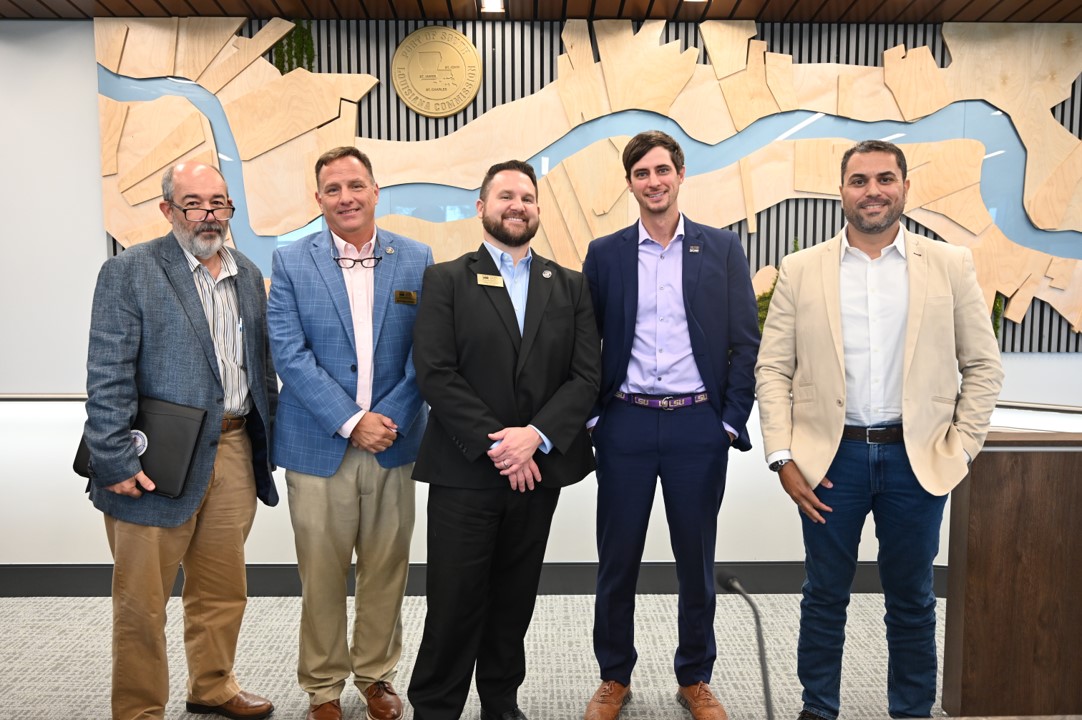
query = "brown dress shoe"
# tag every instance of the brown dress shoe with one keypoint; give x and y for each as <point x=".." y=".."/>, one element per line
<point x="242" y="706"/>
<point x="700" y="702"/>
<point x="383" y="701"/>
<point x="608" y="701"/>
<point x="330" y="710"/>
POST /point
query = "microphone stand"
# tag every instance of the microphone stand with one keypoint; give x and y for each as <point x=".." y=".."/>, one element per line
<point x="730" y="583"/>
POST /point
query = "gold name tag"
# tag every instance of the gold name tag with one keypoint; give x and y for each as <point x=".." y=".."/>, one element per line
<point x="405" y="297"/>
<point x="490" y="280"/>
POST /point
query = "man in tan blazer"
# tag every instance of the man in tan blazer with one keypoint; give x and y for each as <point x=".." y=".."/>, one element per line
<point x="863" y="410"/>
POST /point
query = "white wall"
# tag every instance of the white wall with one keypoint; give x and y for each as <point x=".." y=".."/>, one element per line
<point x="52" y="231"/>
<point x="53" y="241"/>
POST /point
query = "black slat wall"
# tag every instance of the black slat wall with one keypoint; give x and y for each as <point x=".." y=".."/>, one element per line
<point x="519" y="58"/>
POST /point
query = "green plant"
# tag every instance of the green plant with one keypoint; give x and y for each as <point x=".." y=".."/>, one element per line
<point x="296" y="49"/>
<point x="997" y="313"/>
<point x="763" y="301"/>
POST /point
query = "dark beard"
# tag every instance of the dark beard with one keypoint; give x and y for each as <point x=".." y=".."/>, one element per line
<point x="498" y="232"/>
<point x="877" y="227"/>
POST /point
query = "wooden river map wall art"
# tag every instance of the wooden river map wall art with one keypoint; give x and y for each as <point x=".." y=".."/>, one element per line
<point x="186" y="88"/>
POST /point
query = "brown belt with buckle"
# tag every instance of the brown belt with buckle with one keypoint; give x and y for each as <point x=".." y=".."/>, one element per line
<point x="873" y="435"/>
<point x="663" y="402"/>
<point x="233" y="423"/>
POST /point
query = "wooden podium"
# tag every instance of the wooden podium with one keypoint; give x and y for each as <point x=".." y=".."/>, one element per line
<point x="1013" y="638"/>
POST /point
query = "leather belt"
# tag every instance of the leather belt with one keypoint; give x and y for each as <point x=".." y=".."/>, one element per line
<point x="873" y="435"/>
<point x="233" y="423"/>
<point x="663" y="402"/>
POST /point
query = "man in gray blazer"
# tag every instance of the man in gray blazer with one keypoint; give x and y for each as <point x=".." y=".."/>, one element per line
<point x="181" y="319"/>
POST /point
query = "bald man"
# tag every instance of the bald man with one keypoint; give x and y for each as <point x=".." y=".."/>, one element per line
<point x="181" y="319"/>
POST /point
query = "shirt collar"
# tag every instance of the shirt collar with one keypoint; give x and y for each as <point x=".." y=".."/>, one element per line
<point x="898" y="244"/>
<point x="499" y="255"/>
<point x="229" y="265"/>
<point x="644" y="236"/>
<point x="366" y="250"/>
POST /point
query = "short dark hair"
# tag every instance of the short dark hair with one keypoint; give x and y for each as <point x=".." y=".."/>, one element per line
<point x="870" y="146"/>
<point x="517" y="165"/>
<point x="644" y="142"/>
<point x="340" y="152"/>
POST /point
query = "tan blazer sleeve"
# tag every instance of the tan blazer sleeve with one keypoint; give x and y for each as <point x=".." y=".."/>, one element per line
<point x="978" y="359"/>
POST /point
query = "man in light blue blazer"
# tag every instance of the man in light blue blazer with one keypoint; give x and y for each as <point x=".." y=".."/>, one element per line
<point x="341" y="311"/>
<point x="181" y="319"/>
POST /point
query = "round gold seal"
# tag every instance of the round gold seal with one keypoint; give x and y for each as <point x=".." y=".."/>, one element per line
<point x="436" y="71"/>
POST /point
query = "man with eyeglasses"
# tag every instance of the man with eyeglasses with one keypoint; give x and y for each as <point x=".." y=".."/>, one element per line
<point x="341" y="311"/>
<point x="181" y="319"/>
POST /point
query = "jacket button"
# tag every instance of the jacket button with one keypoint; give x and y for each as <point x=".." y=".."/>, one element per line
<point x="839" y="402"/>
<point x="353" y="368"/>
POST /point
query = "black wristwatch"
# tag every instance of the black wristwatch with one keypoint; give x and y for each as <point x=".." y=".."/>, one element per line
<point x="777" y="465"/>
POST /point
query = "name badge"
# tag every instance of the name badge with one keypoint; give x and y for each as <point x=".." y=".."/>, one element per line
<point x="405" y="297"/>
<point x="490" y="280"/>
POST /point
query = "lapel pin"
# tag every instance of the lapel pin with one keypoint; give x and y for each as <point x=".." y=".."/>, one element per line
<point x="546" y="274"/>
<point x="389" y="250"/>
<point x="694" y="248"/>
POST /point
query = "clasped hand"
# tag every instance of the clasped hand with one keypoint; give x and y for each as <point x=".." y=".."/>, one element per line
<point x="513" y="456"/>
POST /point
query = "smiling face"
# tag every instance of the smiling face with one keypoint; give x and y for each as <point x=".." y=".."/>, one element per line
<point x="873" y="194"/>
<point x="655" y="182"/>
<point x="508" y="211"/>
<point x="347" y="195"/>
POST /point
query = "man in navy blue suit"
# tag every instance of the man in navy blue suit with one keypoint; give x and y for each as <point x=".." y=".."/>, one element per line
<point x="679" y="330"/>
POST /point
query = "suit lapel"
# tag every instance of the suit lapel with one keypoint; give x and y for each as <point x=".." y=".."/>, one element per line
<point x="917" y="268"/>
<point x="383" y="281"/>
<point x="537" y="299"/>
<point x="323" y="253"/>
<point x="692" y="264"/>
<point x="249" y="314"/>
<point x="482" y="264"/>
<point x="179" y="274"/>
<point x="831" y="274"/>
<point x="629" y="276"/>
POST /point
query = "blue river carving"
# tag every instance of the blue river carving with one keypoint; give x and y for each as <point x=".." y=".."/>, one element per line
<point x="1002" y="173"/>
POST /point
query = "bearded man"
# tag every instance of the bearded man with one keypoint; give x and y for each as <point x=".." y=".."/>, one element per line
<point x="508" y="357"/>
<point x="181" y="319"/>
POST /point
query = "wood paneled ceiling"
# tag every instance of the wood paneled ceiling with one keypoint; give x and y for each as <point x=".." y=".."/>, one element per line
<point x="818" y="11"/>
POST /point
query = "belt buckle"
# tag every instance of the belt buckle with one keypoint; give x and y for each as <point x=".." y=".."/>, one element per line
<point x="664" y="403"/>
<point x="868" y="432"/>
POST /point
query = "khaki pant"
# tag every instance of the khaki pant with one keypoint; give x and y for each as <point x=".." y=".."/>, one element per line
<point x="368" y="509"/>
<point x="210" y="546"/>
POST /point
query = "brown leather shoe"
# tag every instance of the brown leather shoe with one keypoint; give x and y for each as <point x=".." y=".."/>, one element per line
<point x="242" y="706"/>
<point x="700" y="702"/>
<point x="608" y="701"/>
<point x="330" y="710"/>
<point x="383" y="701"/>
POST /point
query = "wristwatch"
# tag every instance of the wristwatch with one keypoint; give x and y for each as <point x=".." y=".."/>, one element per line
<point x="777" y="465"/>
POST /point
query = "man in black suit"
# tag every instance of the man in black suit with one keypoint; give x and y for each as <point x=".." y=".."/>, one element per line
<point x="508" y="358"/>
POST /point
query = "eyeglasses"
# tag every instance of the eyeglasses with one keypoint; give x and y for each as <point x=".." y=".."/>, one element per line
<point x="201" y="214"/>
<point x="366" y="262"/>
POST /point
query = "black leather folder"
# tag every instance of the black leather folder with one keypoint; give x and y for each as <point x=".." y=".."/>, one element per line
<point x="170" y="433"/>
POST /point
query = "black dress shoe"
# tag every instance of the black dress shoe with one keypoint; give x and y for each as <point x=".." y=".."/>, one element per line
<point x="809" y="715"/>
<point x="515" y="714"/>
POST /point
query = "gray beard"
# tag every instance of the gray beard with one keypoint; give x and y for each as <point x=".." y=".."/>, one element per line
<point x="198" y="245"/>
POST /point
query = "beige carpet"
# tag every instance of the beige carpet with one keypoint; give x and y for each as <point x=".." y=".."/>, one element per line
<point x="54" y="655"/>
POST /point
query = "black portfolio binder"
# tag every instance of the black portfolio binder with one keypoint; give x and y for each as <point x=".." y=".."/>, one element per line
<point x="165" y="434"/>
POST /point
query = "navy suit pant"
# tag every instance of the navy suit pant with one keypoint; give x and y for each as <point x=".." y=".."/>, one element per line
<point x="687" y="449"/>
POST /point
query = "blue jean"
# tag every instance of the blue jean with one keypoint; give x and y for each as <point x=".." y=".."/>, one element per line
<point x="876" y="478"/>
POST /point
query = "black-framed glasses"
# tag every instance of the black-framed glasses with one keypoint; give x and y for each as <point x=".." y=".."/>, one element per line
<point x="365" y="262"/>
<point x="201" y="214"/>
